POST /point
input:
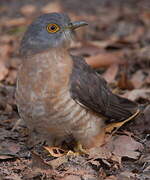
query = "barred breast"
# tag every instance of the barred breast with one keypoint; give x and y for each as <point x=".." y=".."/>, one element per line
<point x="61" y="117"/>
<point x="73" y="119"/>
<point x="45" y="103"/>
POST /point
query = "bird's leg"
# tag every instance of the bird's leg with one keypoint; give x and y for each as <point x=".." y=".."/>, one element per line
<point x="55" y="151"/>
<point x="79" y="148"/>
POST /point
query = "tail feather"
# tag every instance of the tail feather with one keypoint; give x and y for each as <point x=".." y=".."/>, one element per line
<point x="121" y="108"/>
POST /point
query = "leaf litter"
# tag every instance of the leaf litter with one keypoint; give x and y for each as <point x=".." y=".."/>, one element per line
<point x="117" y="45"/>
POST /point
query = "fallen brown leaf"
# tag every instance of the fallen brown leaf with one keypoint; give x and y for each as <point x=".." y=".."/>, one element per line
<point x="134" y="37"/>
<point x="5" y="50"/>
<point x="127" y="150"/>
<point x="147" y="79"/>
<point x="111" y="178"/>
<point x="14" y="22"/>
<point x="58" y="161"/>
<point x="138" y="79"/>
<point x="6" y="39"/>
<point x="127" y="176"/>
<point x="116" y="148"/>
<point x="4" y="157"/>
<point x="28" y="10"/>
<point x="80" y="172"/>
<point x="103" y="44"/>
<point x="9" y="148"/>
<point x="51" y="7"/>
<point x="111" y="73"/>
<point x="87" y="49"/>
<point x="105" y="59"/>
<point x="138" y="93"/>
<point x="11" y="78"/>
<point x="71" y="177"/>
<point x="55" y="151"/>
<point x="3" y="71"/>
<point x="13" y="177"/>
<point x="124" y="82"/>
<point x="147" y="169"/>
<point x="144" y="159"/>
<point x="145" y="16"/>
<point x="38" y="162"/>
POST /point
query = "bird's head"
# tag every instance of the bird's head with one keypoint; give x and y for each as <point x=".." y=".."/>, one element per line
<point x="49" y="31"/>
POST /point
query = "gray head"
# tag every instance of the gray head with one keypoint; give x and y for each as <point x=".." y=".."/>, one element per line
<point x="48" y="31"/>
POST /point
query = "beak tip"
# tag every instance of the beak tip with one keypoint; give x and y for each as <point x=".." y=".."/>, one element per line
<point x="77" y="24"/>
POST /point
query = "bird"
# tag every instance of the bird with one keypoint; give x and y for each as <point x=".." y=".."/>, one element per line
<point x="58" y="95"/>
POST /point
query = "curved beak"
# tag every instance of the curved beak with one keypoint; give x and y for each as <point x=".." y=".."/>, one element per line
<point x="77" y="24"/>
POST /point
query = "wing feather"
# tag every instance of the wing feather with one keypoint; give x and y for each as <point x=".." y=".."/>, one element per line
<point x="91" y="90"/>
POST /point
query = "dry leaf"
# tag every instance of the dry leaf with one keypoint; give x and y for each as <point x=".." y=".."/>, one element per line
<point x="28" y="10"/>
<point x="9" y="148"/>
<point x="124" y="82"/>
<point x="3" y="71"/>
<point x="144" y="159"/>
<point x="138" y="79"/>
<point x="71" y="177"/>
<point x="12" y="75"/>
<point x="147" y="169"/>
<point x="85" y="50"/>
<point x="127" y="176"/>
<point x="51" y="7"/>
<point x="126" y="146"/>
<point x="12" y="177"/>
<point x="103" y="44"/>
<point x="105" y="59"/>
<point x="4" y="157"/>
<point x="111" y="73"/>
<point x="116" y="148"/>
<point x="58" y="161"/>
<point x="147" y="79"/>
<point x="134" y="37"/>
<point x="14" y="22"/>
<point x="111" y="178"/>
<point x="6" y="39"/>
<point x="38" y="162"/>
<point x="55" y="151"/>
<point x="145" y="16"/>
<point x="5" y="50"/>
<point x="138" y="93"/>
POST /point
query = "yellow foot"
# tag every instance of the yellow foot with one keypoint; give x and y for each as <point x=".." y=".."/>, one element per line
<point x="71" y="153"/>
<point x="58" y="152"/>
<point x="79" y="149"/>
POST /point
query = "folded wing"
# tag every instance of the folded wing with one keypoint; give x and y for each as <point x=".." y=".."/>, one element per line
<point x="89" y="89"/>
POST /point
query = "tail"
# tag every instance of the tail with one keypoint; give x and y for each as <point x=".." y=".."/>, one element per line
<point x="121" y="108"/>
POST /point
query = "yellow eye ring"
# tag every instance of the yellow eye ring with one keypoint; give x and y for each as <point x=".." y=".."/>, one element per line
<point x="52" y="28"/>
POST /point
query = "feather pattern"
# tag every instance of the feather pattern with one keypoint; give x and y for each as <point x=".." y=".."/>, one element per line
<point x="91" y="90"/>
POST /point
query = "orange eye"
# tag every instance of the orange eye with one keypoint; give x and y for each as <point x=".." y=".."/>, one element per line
<point x="52" y="28"/>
